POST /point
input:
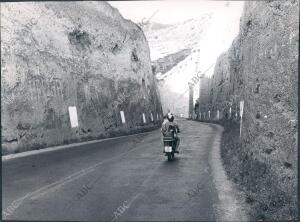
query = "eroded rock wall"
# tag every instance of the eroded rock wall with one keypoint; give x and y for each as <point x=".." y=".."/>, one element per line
<point x="57" y="54"/>
<point x="261" y="68"/>
<point x="165" y="64"/>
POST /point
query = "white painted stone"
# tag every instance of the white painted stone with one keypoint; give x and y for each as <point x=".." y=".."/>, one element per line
<point x="73" y="116"/>
<point x="122" y="117"/>
<point x="241" y="108"/>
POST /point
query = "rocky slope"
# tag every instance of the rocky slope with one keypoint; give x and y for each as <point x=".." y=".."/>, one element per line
<point x="175" y="51"/>
<point x="206" y="36"/>
<point x="261" y="69"/>
<point x="55" y="55"/>
<point x="165" y="64"/>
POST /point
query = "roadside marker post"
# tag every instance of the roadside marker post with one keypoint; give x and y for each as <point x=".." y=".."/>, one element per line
<point x="122" y="117"/>
<point x="73" y="116"/>
<point x="241" y="115"/>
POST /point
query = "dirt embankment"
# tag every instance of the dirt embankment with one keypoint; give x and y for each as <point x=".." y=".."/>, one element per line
<point x="55" y="55"/>
<point x="261" y="69"/>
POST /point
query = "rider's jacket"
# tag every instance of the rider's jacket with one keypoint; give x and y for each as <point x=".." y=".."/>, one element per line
<point x="167" y="126"/>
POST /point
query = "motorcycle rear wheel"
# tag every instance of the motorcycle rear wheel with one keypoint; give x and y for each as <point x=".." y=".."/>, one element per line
<point x="169" y="156"/>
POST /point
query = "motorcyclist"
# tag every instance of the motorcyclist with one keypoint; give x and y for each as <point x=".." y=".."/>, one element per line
<point x="167" y="127"/>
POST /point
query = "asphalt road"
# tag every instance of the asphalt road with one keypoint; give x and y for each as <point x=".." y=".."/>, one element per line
<point x="92" y="181"/>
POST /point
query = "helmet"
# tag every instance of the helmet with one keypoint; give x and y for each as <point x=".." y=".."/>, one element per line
<point x="170" y="117"/>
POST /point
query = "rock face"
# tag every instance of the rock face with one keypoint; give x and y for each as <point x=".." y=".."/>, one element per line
<point x="165" y="40"/>
<point x="165" y="64"/>
<point x="204" y="95"/>
<point x="55" y="55"/>
<point x="261" y="69"/>
<point x="175" y="53"/>
<point x="206" y="35"/>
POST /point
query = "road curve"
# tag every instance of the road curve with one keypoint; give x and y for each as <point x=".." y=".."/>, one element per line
<point x="127" y="178"/>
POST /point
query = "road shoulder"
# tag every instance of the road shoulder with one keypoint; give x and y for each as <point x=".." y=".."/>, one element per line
<point x="230" y="205"/>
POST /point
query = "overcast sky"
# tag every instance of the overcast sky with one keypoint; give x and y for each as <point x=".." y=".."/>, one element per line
<point x="172" y="11"/>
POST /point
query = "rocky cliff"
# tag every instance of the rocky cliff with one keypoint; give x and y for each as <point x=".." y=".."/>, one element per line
<point x="175" y="51"/>
<point x="205" y="35"/>
<point x="261" y="69"/>
<point x="165" y="64"/>
<point x="57" y="55"/>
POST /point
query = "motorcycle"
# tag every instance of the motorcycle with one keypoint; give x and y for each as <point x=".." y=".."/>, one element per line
<point x="170" y="145"/>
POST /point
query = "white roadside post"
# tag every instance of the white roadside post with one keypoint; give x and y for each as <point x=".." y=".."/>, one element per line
<point x="208" y="114"/>
<point x="122" y="117"/>
<point x="230" y="112"/>
<point x="157" y="116"/>
<point x="241" y="115"/>
<point x="73" y="116"/>
<point x="218" y="114"/>
<point x="151" y="117"/>
<point x="144" y="118"/>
